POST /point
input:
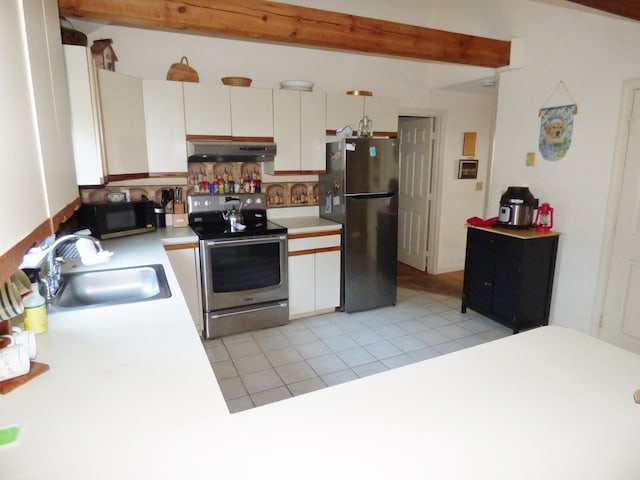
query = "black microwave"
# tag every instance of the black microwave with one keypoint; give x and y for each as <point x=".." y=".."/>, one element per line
<point x="117" y="219"/>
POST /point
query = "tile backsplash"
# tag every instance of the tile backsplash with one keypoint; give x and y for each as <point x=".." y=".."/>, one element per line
<point x="279" y="194"/>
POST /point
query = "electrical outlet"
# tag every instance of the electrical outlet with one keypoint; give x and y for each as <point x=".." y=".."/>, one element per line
<point x="479" y="186"/>
<point x="531" y="159"/>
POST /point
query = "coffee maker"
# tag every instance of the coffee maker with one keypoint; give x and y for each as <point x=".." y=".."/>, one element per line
<point x="517" y="205"/>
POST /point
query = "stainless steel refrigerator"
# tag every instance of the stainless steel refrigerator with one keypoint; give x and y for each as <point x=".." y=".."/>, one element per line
<point x="360" y="191"/>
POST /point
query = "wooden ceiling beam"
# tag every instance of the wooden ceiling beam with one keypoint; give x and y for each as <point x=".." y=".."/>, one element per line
<point x="288" y="24"/>
<point x="623" y="8"/>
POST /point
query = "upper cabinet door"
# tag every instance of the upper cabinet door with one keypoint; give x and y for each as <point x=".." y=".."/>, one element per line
<point x="313" y="108"/>
<point x="286" y="131"/>
<point x="121" y="101"/>
<point x="299" y="132"/>
<point x="86" y="121"/>
<point x="164" y="123"/>
<point x="383" y="111"/>
<point x="21" y="165"/>
<point x="343" y="110"/>
<point x="53" y="116"/>
<point x="251" y="113"/>
<point x="207" y="110"/>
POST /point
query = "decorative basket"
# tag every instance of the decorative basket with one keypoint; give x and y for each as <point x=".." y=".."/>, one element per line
<point x="236" y="81"/>
<point x="182" y="72"/>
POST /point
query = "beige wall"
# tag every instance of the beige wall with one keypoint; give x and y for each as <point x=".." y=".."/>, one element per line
<point x="592" y="54"/>
<point x="148" y="54"/>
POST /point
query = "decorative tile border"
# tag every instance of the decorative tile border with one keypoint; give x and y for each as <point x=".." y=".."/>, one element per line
<point x="279" y="194"/>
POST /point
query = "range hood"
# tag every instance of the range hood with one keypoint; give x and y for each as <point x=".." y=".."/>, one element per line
<point x="217" y="151"/>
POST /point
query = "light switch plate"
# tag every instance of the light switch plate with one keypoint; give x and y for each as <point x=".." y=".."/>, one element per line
<point x="479" y="186"/>
<point x="531" y="159"/>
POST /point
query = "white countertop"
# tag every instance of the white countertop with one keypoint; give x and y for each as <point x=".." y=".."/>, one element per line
<point x="307" y="224"/>
<point x="177" y="235"/>
<point x="131" y="395"/>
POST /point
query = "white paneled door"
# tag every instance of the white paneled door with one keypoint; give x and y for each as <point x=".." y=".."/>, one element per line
<point x="416" y="157"/>
<point x="621" y="313"/>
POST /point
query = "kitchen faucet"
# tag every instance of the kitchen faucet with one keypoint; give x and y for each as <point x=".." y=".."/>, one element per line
<point x="54" y="263"/>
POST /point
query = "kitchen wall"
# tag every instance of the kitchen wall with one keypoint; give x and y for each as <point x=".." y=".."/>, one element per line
<point x="148" y="54"/>
<point x="592" y="54"/>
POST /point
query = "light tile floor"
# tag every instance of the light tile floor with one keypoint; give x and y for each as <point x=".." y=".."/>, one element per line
<point x="256" y="368"/>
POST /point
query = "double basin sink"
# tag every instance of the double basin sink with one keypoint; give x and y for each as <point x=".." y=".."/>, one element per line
<point x="112" y="287"/>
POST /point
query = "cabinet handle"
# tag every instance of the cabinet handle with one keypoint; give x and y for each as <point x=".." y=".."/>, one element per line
<point x="487" y="284"/>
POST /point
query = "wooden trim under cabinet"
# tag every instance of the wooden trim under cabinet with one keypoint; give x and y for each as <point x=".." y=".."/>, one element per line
<point x="310" y="251"/>
<point x="294" y="236"/>
<point x="299" y="172"/>
<point x="213" y="138"/>
<point x="181" y="246"/>
<point x="126" y="176"/>
<point x="12" y="258"/>
<point x="169" y="174"/>
<point x="63" y="215"/>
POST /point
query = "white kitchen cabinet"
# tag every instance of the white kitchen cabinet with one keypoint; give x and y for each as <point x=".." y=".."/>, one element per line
<point x="345" y="110"/>
<point x="207" y="110"/>
<point x="38" y="171"/>
<point x="302" y="284"/>
<point x="314" y="273"/>
<point x="327" y="278"/>
<point x="21" y="161"/>
<point x="384" y="113"/>
<point x="122" y="104"/>
<point x="86" y="121"/>
<point x="251" y="113"/>
<point x="223" y="112"/>
<point x="299" y="131"/>
<point x="185" y="261"/>
<point x="164" y="125"/>
<point x="51" y="102"/>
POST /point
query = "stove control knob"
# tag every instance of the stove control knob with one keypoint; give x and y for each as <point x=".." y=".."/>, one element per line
<point x="258" y="200"/>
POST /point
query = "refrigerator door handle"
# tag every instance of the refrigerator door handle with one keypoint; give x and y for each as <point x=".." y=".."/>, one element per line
<point x="370" y="195"/>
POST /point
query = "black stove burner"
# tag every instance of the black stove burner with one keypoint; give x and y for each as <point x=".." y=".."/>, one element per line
<point x="212" y="225"/>
<point x="214" y="231"/>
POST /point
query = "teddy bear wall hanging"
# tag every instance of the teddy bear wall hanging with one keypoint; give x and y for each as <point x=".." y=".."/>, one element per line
<point x="556" y="128"/>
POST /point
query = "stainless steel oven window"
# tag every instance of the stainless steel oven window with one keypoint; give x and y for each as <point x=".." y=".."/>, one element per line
<point x="244" y="271"/>
<point x="245" y="267"/>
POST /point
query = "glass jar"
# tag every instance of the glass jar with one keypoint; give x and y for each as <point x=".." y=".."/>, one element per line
<point x="365" y="127"/>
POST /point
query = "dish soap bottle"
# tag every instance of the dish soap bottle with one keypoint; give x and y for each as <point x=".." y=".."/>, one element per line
<point x="35" y="309"/>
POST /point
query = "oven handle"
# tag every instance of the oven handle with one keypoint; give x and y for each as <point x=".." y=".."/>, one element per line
<point x="247" y="240"/>
<point x="248" y="310"/>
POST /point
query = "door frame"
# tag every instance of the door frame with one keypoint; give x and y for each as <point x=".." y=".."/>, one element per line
<point x="629" y="87"/>
<point x="433" y="242"/>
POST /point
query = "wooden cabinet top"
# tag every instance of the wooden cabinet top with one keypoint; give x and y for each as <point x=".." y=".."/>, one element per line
<point x="523" y="233"/>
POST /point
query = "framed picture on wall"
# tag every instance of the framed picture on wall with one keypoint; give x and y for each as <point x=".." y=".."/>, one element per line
<point x="469" y="144"/>
<point x="468" y="168"/>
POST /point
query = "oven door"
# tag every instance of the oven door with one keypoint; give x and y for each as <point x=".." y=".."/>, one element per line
<point x="243" y="271"/>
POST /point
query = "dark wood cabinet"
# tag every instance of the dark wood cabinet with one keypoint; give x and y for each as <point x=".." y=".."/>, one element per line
<point x="508" y="275"/>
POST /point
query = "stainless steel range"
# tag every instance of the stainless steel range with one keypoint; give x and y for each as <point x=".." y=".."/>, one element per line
<point x="243" y="260"/>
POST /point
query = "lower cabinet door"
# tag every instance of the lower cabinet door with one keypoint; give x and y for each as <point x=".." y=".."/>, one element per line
<point x="186" y="265"/>
<point x="301" y="284"/>
<point x="327" y="280"/>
